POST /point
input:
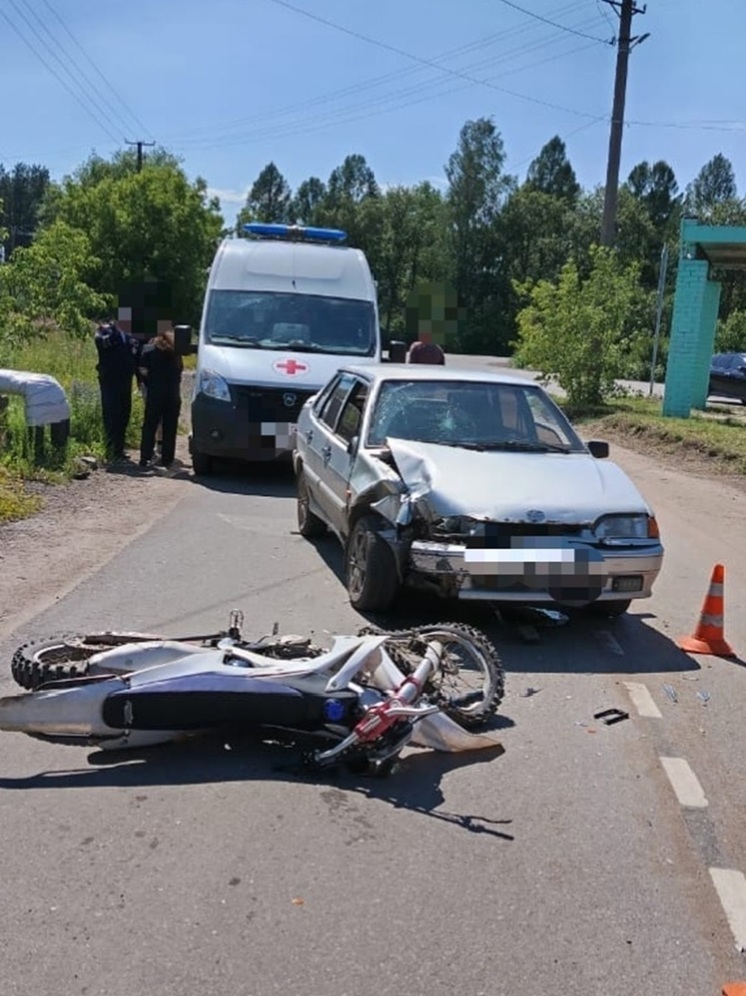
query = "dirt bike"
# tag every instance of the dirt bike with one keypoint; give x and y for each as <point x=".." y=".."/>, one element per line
<point x="361" y="701"/>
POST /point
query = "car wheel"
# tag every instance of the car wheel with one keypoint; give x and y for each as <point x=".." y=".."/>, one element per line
<point x="309" y="524"/>
<point x="612" y="609"/>
<point x="201" y="463"/>
<point x="370" y="568"/>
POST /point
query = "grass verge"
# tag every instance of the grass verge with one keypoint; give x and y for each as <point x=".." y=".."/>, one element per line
<point x="716" y="438"/>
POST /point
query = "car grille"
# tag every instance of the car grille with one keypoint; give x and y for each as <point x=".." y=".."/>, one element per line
<point x="269" y="404"/>
<point x="500" y="533"/>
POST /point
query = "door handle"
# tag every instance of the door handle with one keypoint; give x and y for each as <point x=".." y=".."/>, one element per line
<point x="326" y="454"/>
<point x="309" y="435"/>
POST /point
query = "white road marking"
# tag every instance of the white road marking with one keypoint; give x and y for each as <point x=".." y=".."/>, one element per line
<point x="642" y="700"/>
<point x="684" y="782"/>
<point x="731" y="888"/>
<point x="609" y="641"/>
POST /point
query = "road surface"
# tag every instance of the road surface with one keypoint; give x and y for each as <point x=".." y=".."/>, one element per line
<point x="587" y="859"/>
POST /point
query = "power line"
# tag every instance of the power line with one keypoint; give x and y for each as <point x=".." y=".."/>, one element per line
<point x="373" y="82"/>
<point x="87" y="82"/>
<point x="94" y="114"/>
<point x="555" y="24"/>
<point x="93" y="65"/>
<point x="351" y="115"/>
<point x="427" y="62"/>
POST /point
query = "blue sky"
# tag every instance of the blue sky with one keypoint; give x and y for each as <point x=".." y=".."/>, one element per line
<point x="231" y="84"/>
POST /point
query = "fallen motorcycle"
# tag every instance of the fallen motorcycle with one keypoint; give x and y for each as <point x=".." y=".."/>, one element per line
<point x="359" y="702"/>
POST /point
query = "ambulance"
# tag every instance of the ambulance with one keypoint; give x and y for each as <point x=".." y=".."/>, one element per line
<point x="284" y="308"/>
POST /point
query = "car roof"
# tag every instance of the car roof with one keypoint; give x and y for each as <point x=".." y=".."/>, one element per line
<point x="420" y="371"/>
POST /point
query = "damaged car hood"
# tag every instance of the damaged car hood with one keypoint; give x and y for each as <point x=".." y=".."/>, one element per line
<point x="504" y="486"/>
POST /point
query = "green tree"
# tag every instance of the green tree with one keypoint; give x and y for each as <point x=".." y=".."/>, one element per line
<point x="715" y="184"/>
<point x="22" y="192"/>
<point x="268" y="200"/>
<point x="731" y="333"/>
<point x="580" y="330"/>
<point x="353" y="181"/>
<point x="476" y="194"/>
<point x="410" y="248"/>
<point x="551" y="172"/>
<point x="47" y="286"/>
<point x="307" y="200"/>
<point x="149" y="224"/>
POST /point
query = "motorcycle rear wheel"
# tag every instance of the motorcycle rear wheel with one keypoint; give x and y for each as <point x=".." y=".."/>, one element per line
<point x="60" y="658"/>
<point x="472" y="684"/>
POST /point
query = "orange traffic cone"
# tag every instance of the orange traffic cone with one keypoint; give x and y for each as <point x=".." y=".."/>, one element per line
<point x="734" y="989"/>
<point x="709" y="638"/>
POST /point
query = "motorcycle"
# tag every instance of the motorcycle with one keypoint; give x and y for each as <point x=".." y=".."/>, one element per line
<point x="358" y="702"/>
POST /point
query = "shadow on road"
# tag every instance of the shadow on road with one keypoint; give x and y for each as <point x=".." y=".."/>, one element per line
<point x="414" y="786"/>
<point x="271" y="479"/>
<point x="527" y="640"/>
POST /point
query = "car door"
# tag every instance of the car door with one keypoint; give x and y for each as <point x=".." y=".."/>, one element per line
<point x="341" y="450"/>
<point x="319" y="442"/>
<point x="312" y="437"/>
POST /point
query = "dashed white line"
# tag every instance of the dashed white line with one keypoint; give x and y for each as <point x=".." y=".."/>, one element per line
<point x="642" y="700"/>
<point x="684" y="782"/>
<point x="731" y="888"/>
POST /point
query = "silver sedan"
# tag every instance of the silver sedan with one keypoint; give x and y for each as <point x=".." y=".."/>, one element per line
<point x="473" y="485"/>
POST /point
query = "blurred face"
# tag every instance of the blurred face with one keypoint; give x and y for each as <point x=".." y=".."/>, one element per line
<point x="164" y="325"/>
<point x="124" y="319"/>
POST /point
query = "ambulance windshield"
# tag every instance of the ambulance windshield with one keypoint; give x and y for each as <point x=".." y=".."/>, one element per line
<point x="298" y="322"/>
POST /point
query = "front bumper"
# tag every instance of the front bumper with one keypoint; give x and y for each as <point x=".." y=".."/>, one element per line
<point x="257" y="424"/>
<point x="578" y="573"/>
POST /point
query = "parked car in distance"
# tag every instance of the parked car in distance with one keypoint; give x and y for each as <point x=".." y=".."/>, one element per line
<point x="728" y="376"/>
<point x="471" y="484"/>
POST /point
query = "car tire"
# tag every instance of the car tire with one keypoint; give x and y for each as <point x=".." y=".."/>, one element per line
<point x="370" y="569"/>
<point x="202" y="464"/>
<point x="310" y="526"/>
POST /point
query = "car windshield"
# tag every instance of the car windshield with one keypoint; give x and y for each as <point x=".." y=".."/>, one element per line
<point x="299" y="322"/>
<point x="472" y="415"/>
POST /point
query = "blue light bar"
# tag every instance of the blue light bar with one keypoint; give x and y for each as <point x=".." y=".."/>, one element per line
<point x="295" y="233"/>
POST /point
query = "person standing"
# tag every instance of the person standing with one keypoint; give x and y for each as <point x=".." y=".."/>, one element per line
<point x="118" y="354"/>
<point x="160" y="368"/>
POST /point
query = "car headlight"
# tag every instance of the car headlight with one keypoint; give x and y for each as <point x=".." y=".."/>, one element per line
<point x="213" y="385"/>
<point x="627" y="527"/>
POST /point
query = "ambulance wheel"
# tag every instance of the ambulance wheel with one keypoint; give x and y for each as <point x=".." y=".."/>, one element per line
<point x="201" y="463"/>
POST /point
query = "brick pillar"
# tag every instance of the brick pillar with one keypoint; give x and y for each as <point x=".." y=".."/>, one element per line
<point x="710" y="308"/>
<point x="684" y="354"/>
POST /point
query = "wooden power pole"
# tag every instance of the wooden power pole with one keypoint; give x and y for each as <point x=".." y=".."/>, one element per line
<point x="626" y="9"/>
<point x="139" y="152"/>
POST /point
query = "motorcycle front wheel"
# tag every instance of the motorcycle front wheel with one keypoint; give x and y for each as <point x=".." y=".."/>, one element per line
<point x="471" y="684"/>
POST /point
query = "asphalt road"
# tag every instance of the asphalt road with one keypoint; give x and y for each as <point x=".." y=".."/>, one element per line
<point x="568" y="865"/>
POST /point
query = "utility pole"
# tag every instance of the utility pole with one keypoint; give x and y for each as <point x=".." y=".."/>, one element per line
<point x="626" y="9"/>
<point x="139" y="152"/>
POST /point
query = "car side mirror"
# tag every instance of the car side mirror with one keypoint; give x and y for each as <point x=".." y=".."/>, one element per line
<point x="599" y="448"/>
<point x="183" y="344"/>
<point x="352" y="445"/>
<point x="397" y="351"/>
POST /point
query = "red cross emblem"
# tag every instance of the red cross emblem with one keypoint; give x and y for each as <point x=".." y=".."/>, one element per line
<point x="291" y="367"/>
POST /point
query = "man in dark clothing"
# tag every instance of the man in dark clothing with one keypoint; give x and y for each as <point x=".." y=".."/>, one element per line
<point x="160" y="368"/>
<point x="426" y="351"/>
<point x="118" y="354"/>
